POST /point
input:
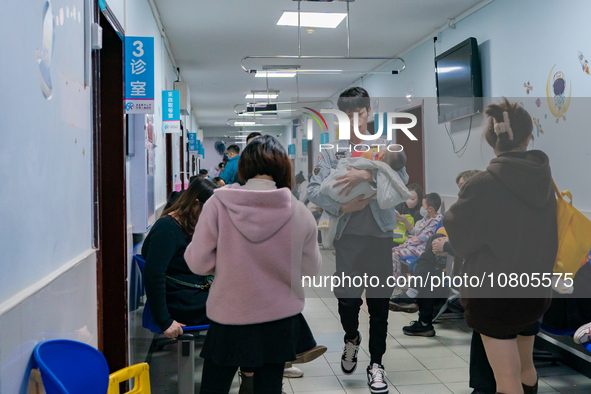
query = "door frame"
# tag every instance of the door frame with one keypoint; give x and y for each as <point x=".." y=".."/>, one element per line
<point x="413" y="105"/>
<point x="109" y="181"/>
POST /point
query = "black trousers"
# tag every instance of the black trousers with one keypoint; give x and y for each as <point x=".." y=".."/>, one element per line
<point x="482" y="377"/>
<point x="425" y="265"/>
<point x="217" y="379"/>
<point x="356" y="256"/>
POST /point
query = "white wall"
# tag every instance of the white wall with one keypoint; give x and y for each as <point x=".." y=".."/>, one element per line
<point x="45" y="178"/>
<point x="519" y="41"/>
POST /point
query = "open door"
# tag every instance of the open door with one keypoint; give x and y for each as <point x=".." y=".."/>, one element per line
<point x="415" y="150"/>
<point x="109" y="184"/>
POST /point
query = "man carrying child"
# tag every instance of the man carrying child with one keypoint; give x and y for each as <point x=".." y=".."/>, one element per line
<point x="363" y="243"/>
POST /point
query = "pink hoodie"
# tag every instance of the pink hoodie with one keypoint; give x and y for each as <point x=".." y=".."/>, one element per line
<point x="258" y="244"/>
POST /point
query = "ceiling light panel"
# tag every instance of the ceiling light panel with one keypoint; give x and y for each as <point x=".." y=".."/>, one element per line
<point x="326" y="20"/>
<point x="275" y="74"/>
<point x="261" y="96"/>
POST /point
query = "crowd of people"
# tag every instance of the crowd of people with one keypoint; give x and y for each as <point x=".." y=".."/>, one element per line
<point x="230" y="252"/>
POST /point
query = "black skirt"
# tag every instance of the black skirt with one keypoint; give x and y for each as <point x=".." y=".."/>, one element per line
<point x="253" y="345"/>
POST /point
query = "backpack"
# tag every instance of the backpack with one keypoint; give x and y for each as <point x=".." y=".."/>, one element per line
<point x="400" y="230"/>
<point x="574" y="241"/>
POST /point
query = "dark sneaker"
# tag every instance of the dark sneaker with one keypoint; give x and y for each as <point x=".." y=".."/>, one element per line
<point x="403" y="303"/>
<point x="420" y="329"/>
<point x="349" y="358"/>
<point x="376" y="379"/>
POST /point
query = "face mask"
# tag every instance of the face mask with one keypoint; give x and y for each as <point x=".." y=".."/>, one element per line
<point x="411" y="203"/>
<point x="424" y="212"/>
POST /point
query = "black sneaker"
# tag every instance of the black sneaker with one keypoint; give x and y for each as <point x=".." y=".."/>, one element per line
<point x="420" y="329"/>
<point x="376" y="379"/>
<point x="349" y="358"/>
<point x="403" y="303"/>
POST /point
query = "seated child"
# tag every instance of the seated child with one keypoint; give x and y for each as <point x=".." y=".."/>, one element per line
<point x="431" y="262"/>
<point x="388" y="189"/>
<point x="414" y="245"/>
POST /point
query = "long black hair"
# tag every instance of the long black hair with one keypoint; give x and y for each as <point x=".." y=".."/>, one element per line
<point x="197" y="194"/>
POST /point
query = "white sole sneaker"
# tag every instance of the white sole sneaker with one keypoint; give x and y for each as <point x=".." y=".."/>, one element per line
<point x="349" y="367"/>
<point x="583" y="334"/>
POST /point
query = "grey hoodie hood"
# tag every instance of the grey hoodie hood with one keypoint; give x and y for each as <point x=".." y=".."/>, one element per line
<point x="526" y="174"/>
<point x="257" y="214"/>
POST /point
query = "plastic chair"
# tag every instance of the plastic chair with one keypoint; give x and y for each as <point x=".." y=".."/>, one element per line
<point x="139" y="372"/>
<point x="410" y="263"/>
<point x="70" y="367"/>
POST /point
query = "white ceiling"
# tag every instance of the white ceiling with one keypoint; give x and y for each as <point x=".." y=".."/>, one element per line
<point x="210" y="37"/>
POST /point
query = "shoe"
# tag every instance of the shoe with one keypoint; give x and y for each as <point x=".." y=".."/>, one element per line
<point x="376" y="379"/>
<point x="403" y="303"/>
<point x="530" y="389"/>
<point x="293" y="372"/>
<point x="397" y="291"/>
<point x="583" y="334"/>
<point x="420" y="329"/>
<point x="246" y="384"/>
<point x="310" y="355"/>
<point x="349" y="358"/>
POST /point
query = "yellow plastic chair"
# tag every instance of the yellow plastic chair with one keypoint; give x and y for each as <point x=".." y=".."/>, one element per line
<point x="141" y="373"/>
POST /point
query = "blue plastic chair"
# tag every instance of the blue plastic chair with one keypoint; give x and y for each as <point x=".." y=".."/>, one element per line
<point x="147" y="318"/>
<point x="410" y="262"/>
<point x="70" y="367"/>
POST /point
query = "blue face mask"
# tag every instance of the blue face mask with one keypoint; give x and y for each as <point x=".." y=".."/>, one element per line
<point x="423" y="212"/>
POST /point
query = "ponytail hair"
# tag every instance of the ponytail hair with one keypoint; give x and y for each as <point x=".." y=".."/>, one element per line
<point x="509" y="125"/>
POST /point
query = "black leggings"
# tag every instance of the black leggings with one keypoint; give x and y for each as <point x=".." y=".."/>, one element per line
<point x="217" y="379"/>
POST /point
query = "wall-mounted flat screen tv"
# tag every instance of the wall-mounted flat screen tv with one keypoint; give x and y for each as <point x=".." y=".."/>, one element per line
<point x="459" y="82"/>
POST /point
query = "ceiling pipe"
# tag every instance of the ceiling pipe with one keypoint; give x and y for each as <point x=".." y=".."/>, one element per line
<point x="163" y="34"/>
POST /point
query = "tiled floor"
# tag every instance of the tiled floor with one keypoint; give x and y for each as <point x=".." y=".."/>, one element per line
<point x="414" y="365"/>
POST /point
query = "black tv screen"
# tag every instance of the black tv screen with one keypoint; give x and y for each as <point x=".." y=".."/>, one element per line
<point x="459" y="82"/>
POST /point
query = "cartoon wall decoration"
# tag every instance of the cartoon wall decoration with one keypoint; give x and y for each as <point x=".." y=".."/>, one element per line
<point x="43" y="56"/>
<point x="538" y="126"/>
<point x="528" y="87"/>
<point x="559" y="103"/>
<point x="584" y="63"/>
<point x="538" y="102"/>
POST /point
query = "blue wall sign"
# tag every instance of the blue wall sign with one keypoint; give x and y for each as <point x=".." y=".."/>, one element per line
<point x="171" y="111"/>
<point x="193" y="143"/>
<point x="139" y="75"/>
<point x="305" y="146"/>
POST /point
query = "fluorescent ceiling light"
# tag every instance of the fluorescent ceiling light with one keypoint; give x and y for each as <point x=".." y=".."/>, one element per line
<point x="244" y="123"/>
<point x="328" y="20"/>
<point x="251" y="96"/>
<point x="275" y="74"/>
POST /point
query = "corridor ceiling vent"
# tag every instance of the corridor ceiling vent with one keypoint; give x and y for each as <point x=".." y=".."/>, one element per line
<point x="317" y="20"/>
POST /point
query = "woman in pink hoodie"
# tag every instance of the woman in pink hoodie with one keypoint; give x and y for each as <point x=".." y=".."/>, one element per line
<point x="258" y="240"/>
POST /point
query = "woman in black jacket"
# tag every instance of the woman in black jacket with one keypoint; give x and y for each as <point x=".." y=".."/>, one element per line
<point x="504" y="223"/>
<point x="177" y="296"/>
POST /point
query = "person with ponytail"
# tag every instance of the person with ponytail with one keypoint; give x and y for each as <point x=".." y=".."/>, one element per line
<point x="177" y="296"/>
<point x="504" y="223"/>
